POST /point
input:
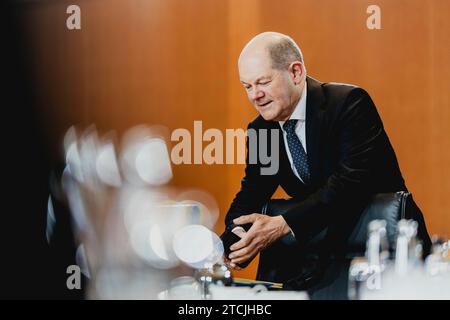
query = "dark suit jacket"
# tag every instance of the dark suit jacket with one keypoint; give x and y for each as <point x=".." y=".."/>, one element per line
<point x="350" y="159"/>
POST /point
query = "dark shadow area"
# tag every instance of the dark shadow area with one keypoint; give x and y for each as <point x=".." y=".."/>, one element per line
<point x="30" y="267"/>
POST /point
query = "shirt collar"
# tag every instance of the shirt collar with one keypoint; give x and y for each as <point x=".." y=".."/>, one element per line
<point x="300" y="109"/>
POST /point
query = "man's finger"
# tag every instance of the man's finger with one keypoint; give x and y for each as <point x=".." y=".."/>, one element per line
<point x="241" y="252"/>
<point x="244" y="257"/>
<point x="235" y="266"/>
<point x="240" y="260"/>
<point x="240" y="244"/>
<point x="243" y="242"/>
<point x="249" y="218"/>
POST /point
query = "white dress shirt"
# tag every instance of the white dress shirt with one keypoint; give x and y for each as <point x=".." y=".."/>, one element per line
<point x="299" y="114"/>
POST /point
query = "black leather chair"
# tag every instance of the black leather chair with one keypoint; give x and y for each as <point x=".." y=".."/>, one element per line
<point x="280" y="262"/>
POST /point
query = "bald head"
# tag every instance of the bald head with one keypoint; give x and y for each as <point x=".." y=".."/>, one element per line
<point x="280" y="48"/>
<point x="272" y="72"/>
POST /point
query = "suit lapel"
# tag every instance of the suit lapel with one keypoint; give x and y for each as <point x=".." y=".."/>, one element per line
<point x="314" y="101"/>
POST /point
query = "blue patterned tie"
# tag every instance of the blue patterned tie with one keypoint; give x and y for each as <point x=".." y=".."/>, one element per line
<point x="298" y="153"/>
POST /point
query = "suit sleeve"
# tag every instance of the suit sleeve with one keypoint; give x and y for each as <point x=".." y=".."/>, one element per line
<point x="256" y="188"/>
<point x="359" y="133"/>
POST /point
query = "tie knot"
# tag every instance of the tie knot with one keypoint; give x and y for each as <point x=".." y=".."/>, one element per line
<point x="289" y="126"/>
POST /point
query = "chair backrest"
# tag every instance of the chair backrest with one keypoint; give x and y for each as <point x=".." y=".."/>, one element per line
<point x="390" y="207"/>
<point x="384" y="206"/>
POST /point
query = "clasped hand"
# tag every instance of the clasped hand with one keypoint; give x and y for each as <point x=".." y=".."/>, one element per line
<point x="263" y="232"/>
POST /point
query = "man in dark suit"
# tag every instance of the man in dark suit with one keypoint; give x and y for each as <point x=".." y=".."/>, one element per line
<point x="333" y="154"/>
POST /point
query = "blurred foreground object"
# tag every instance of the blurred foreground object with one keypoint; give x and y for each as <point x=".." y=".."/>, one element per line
<point x="407" y="276"/>
<point x="135" y="234"/>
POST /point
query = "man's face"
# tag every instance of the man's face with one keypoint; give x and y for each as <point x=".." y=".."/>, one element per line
<point x="272" y="92"/>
